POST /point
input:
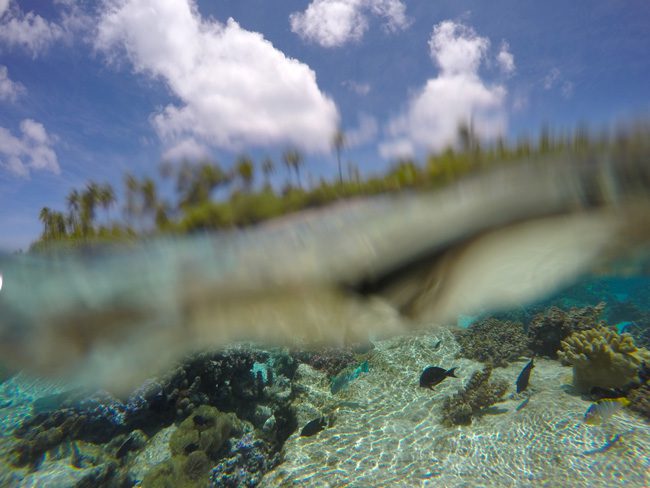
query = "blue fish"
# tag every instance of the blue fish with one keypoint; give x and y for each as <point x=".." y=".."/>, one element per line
<point x="341" y="381"/>
<point x="524" y="376"/>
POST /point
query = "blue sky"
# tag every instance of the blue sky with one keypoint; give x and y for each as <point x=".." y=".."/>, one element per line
<point x="92" y="89"/>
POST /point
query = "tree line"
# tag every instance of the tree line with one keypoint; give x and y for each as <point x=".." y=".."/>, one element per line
<point x="207" y="196"/>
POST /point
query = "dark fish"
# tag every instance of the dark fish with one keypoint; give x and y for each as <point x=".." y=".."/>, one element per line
<point x="433" y="375"/>
<point x="523" y="404"/>
<point x="524" y="376"/>
<point x="598" y="392"/>
<point x="437" y="345"/>
<point x="313" y="427"/>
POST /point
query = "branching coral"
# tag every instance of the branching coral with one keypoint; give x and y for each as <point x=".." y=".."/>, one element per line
<point x="493" y="341"/>
<point x="601" y="357"/>
<point x="479" y="393"/>
<point x="548" y="330"/>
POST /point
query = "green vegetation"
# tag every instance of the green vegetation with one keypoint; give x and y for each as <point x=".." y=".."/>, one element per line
<point x="209" y="197"/>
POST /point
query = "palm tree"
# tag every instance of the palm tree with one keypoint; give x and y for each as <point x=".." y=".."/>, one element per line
<point x="73" y="199"/>
<point x="338" y="142"/>
<point x="45" y="216"/>
<point x="106" y="197"/>
<point x="132" y="189"/>
<point x="195" y="183"/>
<point x="245" y="171"/>
<point x="89" y="201"/>
<point x="268" y="168"/>
<point x="293" y="160"/>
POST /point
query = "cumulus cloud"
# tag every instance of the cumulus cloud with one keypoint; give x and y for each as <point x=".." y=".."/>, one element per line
<point x="505" y="59"/>
<point x="188" y="149"/>
<point x="235" y="88"/>
<point x="456" y="95"/>
<point x="332" y="23"/>
<point x="28" y="30"/>
<point x="31" y="151"/>
<point x="9" y="90"/>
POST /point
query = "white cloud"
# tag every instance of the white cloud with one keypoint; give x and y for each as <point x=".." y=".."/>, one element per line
<point x="9" y="90"/>
<point x="359" y="88"/>
<point x="28" y="30"/>
<point x="4" y="6"/>
<point x="505" y="59"/>
<point x="188" y="149"/>
<point x="456" y="95"/>
<point x="332" y="23"/>
<point x="32" y="151"/>
<point x="234" y="86"/>
<point x="365" y="132"/>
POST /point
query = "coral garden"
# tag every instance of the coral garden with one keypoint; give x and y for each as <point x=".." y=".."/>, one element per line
<point x="232" y="410"/>
<point x="493" y="341"/>
<point x="222" y="419"/>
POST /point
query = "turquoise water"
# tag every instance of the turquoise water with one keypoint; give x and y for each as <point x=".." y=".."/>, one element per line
<point x="381" y="430"/>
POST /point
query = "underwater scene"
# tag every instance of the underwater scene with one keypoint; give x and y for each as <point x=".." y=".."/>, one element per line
<point x="324" y="243"/>
<point x="554" y="394"/>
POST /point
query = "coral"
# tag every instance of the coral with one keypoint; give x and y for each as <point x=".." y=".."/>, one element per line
<point x="547" y="330"/>
<point x="195" y="445"/>
<point x="206" y="430"/>
<point x="493" y="341"/>
<point x="601" y="357"/>
<point x="328" y="360"/>
<point x="245" y="464"/>
<point x="640" y="400"/>
<point x="478" y="394"/>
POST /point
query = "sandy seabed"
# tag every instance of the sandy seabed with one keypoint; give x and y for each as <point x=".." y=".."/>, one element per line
<point x="387" y="431"/>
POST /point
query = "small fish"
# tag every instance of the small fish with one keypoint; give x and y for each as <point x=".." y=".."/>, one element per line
<point x="313" y="427"/>
<point x="523" y="404"/>
<point x="436" y="345"/>
<point x="524" y="376"/>
<point x="341" y="381"/>
<point x="433" y="375"/>
<point x="603" y="409"/>
<point x="598" y="393"/>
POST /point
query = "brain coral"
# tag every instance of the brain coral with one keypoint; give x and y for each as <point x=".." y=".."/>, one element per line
<point x="601" y="357"/>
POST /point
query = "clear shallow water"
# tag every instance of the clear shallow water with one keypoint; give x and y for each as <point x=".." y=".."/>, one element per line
<point x="386" y="431"/>
<point x="396" y="438"/>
